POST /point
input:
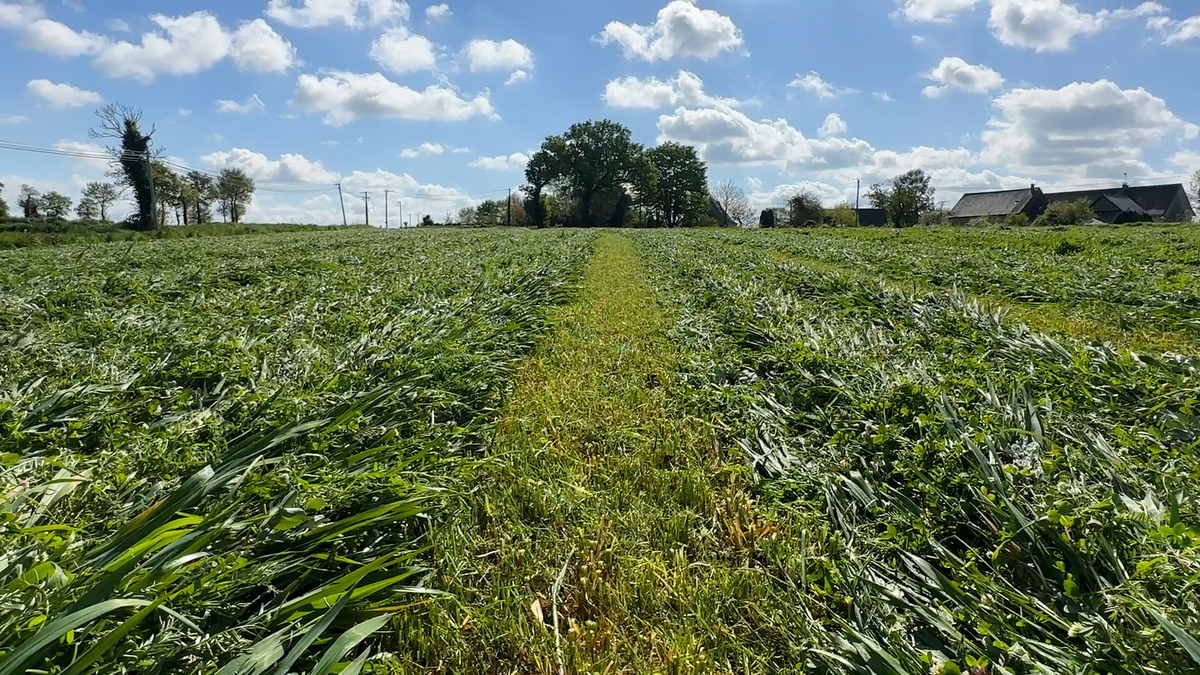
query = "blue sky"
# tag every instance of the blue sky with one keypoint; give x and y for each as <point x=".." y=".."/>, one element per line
<point x="441" y="103"/>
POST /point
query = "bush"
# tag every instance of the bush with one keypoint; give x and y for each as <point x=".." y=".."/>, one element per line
<point x="1064" y="214"/>
<point x="804" y="210"/>
<point x="934" y="218"/>
<point x="842" y="215"/>
<point x="980" y="222"/>
<point x="766" y="219"/>
<point x="1016" y="220"/>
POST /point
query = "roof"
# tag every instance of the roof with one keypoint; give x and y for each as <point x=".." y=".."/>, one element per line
<point x="984" y="204"/>
<point x="1122" y="203"/>
<point x="1153" y="199"/>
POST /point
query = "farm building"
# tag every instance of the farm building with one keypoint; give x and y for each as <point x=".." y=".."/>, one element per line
<point x="1124" y="204"/>
<point x="996" y="206"/>
<point x="872" y="217"/>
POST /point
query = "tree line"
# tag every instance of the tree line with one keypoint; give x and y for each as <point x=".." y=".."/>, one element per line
<point x="138" y="171"/>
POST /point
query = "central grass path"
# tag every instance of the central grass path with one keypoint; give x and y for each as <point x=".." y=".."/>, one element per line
<point x="596" y="469"/>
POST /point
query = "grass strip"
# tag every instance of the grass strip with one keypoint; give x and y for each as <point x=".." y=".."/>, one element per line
<point x="595" y="467"/>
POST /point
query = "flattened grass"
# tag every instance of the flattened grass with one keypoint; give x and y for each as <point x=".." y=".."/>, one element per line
<point x="595" y="467"/>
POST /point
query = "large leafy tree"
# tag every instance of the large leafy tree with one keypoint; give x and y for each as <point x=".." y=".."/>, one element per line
<point x="593" y="162"/>
<point x="101" y="196"/>
<point x="804" y="210"/>
<point x="131" y="158"/>
<point x="766" y="219"/>
<point x="29" y="200"/>
<point x="679" y="192"/>
<point x="235" y="190"/>
<point x="55" y="206"/>
<point x="905" y="199"/>
<point x="202" y="190"/>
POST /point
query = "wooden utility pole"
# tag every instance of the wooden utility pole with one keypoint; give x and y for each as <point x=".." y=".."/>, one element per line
<point x="400" y="206"/>
<point x="343" y="203"/>
<point x="857" y="203"/>
<point x="510" y="207"/>
<point x="367" y="207"/>
<point x="385" y="208"/>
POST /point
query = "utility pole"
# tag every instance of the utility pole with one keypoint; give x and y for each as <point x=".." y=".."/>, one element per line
<point x="153" y="198"/>
<point x="400" y="205"/>
<point x="857" y="203"/>
<point x="343" y="202"/>
<point x="510" y="207"/>
<point x="385" y="209"/>
<point x="367" y="207"/>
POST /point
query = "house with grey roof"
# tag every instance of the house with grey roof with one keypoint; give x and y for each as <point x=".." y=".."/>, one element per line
<point x="996" y="206"/>
<point x="1119" y="205"/>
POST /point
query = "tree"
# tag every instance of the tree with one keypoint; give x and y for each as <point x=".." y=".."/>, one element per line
<point x="87" y="209"/>
<point x="202" y="191"/>
<point x="1196" y="191"/>
<point x="1065" y="214"/>
<point x="766" y="219"/>
<point x="29" y="201"/>
<point x="491" y="212"/>
<point x="427" y="221"/>
<point x="55" y="206"/>
<point x="908" y="196"/>
<point x="3" y="204"/>
<point x="592" y="162"/>
<point x="235" y="190"/>
<point x="804" y="210"/>
<point x="466" y="216"/>
<point x="842" y="215"/>
<point x="131" y="160"/>
<point x="679" y="192"/>
<point x="101" y="196"/>
<point x="733" y="199"/>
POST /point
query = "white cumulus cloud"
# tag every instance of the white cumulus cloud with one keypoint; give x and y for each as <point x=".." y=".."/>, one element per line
<point x="514" y="162"/>
<point x="191" y="44"/>
<point x="350" y="13"/>
<point x="936" y="11"/>
<point x="834" y="126"/>
<point x="256" y="47"/>
<point x="400" y="51"/>
<point x="682" y="30"/>
<point x="491" y="55"/>
<point x="252" y="104"/>
<point x="57" y="39"/>
<point x="437" y="12"/>
<point x="423" y="149"/>
<point x="686" y="89"/>
<point x="955" y="73"/>
<point x="1051" y="25"/>
<point x="62" y="95"/>
<point x="344" y="97"/>
<point x="814" y="84"/>
<point x="289" y="168"/>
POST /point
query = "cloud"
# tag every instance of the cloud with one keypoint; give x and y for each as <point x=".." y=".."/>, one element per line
<point x="1050" y="25"/>
<point x="184" y="112"/>
<point x="517" y="77"/>
<point x="834" y="126"/>
<point x="118" y="26"/>
<point x="682" y="30"/>
<point x="814" y="84"/>
<point x="256" y="47"/>
<point x="955" y="73"/>
<point x="400" y="51"/>
<point x="349" y="13"/>
<point x="88" y="157"/>
<point x="1174" y="32"/>
<point x="686" y="89"/>
<point x="252" y="104"/>
<point x="192" y="43"/>
<point x="936" y="11"/>
<point x="61" y="96"/>
<point x="883" y="96"/>
<point x="489" y="55"/>
<point x="1084" y="126"/>
<point x="289" y="168"/>
<point x="461" y="151"/>
<point x="13" y="119"/>
<point x="423" y="149"/>
<point x="437" y="12"/>
<point x="19" y="15"/>
<point x="344" y="97"/>
<point x="513" y="162"/>
<point x="56" y="39"/>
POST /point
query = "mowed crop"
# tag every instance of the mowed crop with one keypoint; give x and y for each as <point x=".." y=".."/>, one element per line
<point x="707" y="451"/>
<point x="212" y="447"/>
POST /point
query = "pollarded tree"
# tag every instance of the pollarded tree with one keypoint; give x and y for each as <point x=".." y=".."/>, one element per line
<point x="235" y="190"/>
<point x="55" y="206"/>
<point x="29" y="201"/>
<point x="679" y="195"/>
<point x="131" y="159"/>
<point x="909" y="195"/>
<point x="102" y="196"/>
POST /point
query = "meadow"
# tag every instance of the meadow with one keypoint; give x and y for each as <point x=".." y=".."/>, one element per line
<point x="687" y="451"/>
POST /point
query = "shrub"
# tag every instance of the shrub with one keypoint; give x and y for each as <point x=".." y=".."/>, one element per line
<point x="1064" y="214"/>
<point x="935" y="218"/>
<point x="841" y="215"/>
<point x="766" y="219"/>
<point x="1016" y="220"/>
<point x="980" y="222"/>
<point x="804" y="210"/>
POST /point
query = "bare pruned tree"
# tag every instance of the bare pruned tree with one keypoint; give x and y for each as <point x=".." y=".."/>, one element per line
<point x="733" y="199"/>
<point x="132" y="158"/>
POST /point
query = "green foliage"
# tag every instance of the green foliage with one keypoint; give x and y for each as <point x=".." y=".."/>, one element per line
<point x="908" y="196"/>
<point x="842" y="215"/>
<point x="678" y="195"/>
<point x="767" y="220"/>
<point x="3" y="204"/>
<point x="804" y="210"/>
<point x="29" y="200"/>
<point x="935" y="218"/>
<point x="131" y="159"/>
<point x="592" y="162"/>
<point x="1016" y="220"/>
<point x="55" y="206"/>
<point x="219" y="454"/>
<point x="1066" y="214"/>
<point x="235" y="191"/>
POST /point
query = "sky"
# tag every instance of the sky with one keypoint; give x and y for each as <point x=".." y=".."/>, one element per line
<point x="441" y="104"/>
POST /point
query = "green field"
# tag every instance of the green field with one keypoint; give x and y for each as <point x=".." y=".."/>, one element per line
<point x="582" y="451"/>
